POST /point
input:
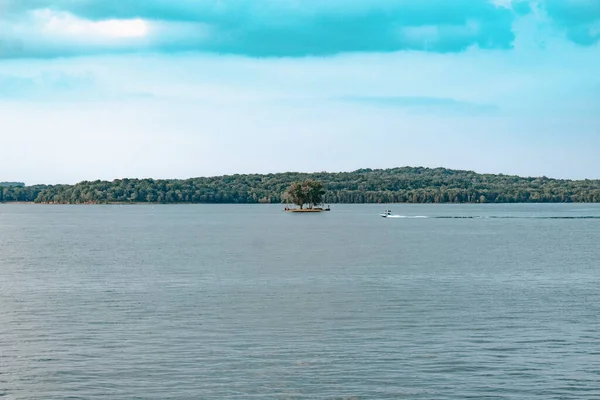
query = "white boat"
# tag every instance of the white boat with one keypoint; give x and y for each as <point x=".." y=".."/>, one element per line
<point x="386" y="214"/>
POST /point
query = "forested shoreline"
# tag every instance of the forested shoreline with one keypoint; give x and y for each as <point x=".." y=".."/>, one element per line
<point x="397" y="185"/>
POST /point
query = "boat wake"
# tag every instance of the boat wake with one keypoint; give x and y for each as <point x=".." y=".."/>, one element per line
<point x="522" y="217"/>
<point x="489" y="217"/>
<point x="407" y="216"/>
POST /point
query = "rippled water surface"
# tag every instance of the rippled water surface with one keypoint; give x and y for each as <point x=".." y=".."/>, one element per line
<point x="237" y="302"/>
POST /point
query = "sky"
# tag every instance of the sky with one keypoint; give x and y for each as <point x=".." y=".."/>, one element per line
<point x="106" y="89"/>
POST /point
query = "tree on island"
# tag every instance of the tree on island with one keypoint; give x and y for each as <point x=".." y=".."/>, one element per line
<point x="308" y="192"/>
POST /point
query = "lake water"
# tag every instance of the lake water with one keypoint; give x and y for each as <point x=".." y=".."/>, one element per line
<point x="238" y="302"/>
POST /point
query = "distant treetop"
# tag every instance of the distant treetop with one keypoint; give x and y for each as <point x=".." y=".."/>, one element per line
<point x="11" y="184"/>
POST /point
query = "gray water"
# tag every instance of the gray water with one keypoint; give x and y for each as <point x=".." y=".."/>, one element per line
<point x="238" y="302"/>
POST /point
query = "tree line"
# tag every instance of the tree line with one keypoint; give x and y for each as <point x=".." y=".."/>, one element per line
<point x="10" y="184"/>
<point x="397" y="185"/>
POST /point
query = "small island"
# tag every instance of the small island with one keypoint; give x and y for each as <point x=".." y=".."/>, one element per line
<point x="309" y="193"/>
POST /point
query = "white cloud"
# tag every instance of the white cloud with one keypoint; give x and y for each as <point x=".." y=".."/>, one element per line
<point x="65" y="24"/>
<point x="49" y="33"/>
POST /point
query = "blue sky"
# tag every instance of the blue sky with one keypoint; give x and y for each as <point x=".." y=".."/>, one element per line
<point x="102" y="89"/>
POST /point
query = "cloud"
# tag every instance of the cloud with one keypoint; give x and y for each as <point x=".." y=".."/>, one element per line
<point x="46" y="33"/>
<point x="580" y="19"/>
<point x="256" y="28"/>
<point x="64" y="24"/>
<point x="277" y="28"/>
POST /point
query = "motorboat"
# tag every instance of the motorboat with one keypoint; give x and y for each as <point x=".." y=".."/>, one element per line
<point x="386" y="213"/>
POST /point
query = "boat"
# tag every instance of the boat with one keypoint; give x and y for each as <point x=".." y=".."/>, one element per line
<point x="386" y="213"/>
<point x="307" y="210"/>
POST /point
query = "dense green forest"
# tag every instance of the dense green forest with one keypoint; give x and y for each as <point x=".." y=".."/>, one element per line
<point x="21" y="193"/>
<point x="398" y="185"/>
<point x="9" y="184"/>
